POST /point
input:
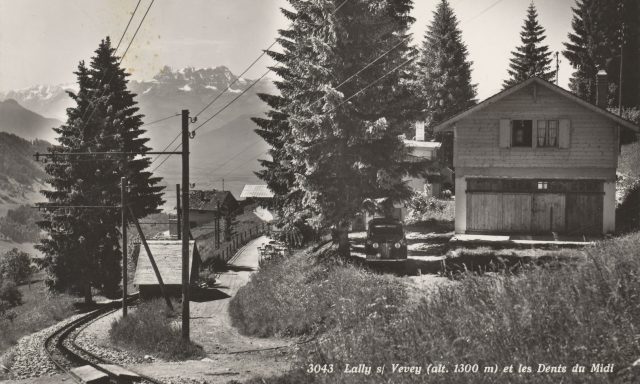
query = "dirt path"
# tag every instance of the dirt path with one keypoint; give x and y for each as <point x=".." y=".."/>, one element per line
<point x="230" y="355"/>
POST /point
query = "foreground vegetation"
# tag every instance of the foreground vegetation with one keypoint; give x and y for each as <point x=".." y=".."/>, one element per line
<point x="151" y="328"/>
<point x="38" y="309"/>
<point x="303" y="295"/>
<point x="584" y="314"/>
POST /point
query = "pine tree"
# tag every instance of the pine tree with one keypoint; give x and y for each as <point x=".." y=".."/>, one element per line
<point x="331" y="153"/>
<point x="595" y="44"/>
<point x="532" y="58"/>
<point x="444" y="75"/>
<point x="83" y="248"/>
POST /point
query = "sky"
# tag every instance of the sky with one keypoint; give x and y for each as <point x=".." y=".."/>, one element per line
<point x="42" y="41"/>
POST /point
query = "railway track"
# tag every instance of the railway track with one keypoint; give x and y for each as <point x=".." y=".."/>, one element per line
<point x="67" y="355"/>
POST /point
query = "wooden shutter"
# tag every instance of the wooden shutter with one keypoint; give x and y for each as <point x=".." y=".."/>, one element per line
<point x="505" y="133"/>
<point x="564" y="133"/>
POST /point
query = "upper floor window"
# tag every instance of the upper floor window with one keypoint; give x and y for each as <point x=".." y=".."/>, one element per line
<point x="535" y="133"/>
<point x="547" y="133"/>
<point x="521" y="133"/>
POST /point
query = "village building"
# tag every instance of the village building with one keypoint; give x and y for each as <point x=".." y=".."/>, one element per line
<point x="434" y="177"/>
<point x="258" y="197"/>
<point x="535" y="158"/>
<point x="167" y="255"/>
<point x="203" y="208"/>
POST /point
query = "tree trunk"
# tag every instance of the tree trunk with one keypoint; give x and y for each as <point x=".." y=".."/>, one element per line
<point x="340" y="237"/>
<point x="88" y="299"/>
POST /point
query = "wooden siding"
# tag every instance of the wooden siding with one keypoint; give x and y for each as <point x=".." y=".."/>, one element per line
<point x="584" y="213"/>
<point x="534" y="212"/>
<point x="548" y="213"/>
<point x="484" y="212"/>
<point x="516" y="212"/>
<point x="593" y="140"/>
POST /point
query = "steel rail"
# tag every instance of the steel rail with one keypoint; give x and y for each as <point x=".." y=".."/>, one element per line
<point x="55" y="344"/>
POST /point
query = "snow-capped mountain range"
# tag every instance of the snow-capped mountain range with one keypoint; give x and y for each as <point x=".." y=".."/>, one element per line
<point x="230" y="135"/>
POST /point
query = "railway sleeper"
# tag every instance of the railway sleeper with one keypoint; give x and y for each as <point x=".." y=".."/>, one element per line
<point x="89" y="375"/>
<point x="122" y="375"/>
<point x="105" y="374"/>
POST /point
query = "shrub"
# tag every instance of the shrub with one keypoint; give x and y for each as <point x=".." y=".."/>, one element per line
<point x="151" y="328"/>
<point x="9" y="293"/>
<point x="16" y="265"/>
<point x="424" y="208"/>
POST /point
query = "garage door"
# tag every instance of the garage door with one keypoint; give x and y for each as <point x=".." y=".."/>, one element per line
<point x="533" y="206"/>
<point x="584" y="213"/>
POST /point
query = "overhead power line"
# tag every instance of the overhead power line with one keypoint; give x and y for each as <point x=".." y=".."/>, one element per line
<point x="93" y="109"/>
<point x="136" y="32"/>
<point x="129" y="23"/>
<point x="482" y="12"/>
<point x="229" y="87"/>
<point x="372" y="84"/>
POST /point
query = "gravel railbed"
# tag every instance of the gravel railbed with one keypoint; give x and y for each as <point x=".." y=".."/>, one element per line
<point x="95" y="339"/>
<point x="29" y="358"/>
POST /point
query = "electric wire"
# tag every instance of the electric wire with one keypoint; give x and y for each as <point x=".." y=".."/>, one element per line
<point x="128" y="24"/>
<point x="229" y="86"/>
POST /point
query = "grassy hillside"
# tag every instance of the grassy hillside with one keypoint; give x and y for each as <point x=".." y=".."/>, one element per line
<point x="16" y="119"/>
<point x="555" y="316"/>
<point x="20" y="174"/>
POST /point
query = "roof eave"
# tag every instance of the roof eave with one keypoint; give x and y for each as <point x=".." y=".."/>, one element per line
<point x="447" y="126"/>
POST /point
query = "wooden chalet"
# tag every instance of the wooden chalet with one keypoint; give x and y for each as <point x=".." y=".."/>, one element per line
<point x="536" y="159"/>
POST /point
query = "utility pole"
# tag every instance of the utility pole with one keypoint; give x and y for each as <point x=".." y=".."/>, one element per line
<point x="622" y="37"/>
<point x="217" y="225"/>
<point x="123" y="201"/>
<point x="223" y="184"/>
<point x="179" y="211"/>
<point x="185" y="225"/>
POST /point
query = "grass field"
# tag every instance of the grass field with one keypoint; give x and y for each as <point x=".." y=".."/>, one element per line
<point x="150" y="329"/>
<point x="559" y="315"/>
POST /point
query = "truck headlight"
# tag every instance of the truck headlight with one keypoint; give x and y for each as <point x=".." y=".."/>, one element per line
<point x="398" y="245"/>
<point x="375" y="245"/>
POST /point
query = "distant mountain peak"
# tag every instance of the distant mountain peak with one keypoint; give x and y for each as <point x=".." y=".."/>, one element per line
<point x="10" y="102"/>
<point x="203" y="80"/>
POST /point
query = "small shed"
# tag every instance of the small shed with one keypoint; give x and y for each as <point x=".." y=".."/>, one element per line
<point x="168" y="257"/>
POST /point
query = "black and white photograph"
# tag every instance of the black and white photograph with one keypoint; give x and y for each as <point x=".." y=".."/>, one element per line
<point x="319" y="191"/>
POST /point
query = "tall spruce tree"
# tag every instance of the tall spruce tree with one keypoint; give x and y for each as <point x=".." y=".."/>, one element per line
<point x="602" y="29"/>
<point x="444" y="75"/>
<point x="279" y="172"/>
<point x="532" y="58"/>
<point x="83" y="247"/>
<point x="333" y="154"/>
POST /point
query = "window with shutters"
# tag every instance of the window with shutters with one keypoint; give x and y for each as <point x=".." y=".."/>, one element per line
<point x="521" y="133"/>
<point x="547" y="133"/>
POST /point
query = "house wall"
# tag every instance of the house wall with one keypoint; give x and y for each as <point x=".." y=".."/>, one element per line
<point x="592" y="152"/>
<point x="593" y="138"/>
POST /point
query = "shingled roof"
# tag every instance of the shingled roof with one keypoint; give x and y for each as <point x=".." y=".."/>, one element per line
<point x="208" y="200"/>
<point x="168" y="257"/>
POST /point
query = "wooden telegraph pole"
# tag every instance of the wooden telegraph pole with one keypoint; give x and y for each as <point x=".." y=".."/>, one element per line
<point x="179" y="212"/>
<point x="123" y="200"/>
<point x="185" y="224"/>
